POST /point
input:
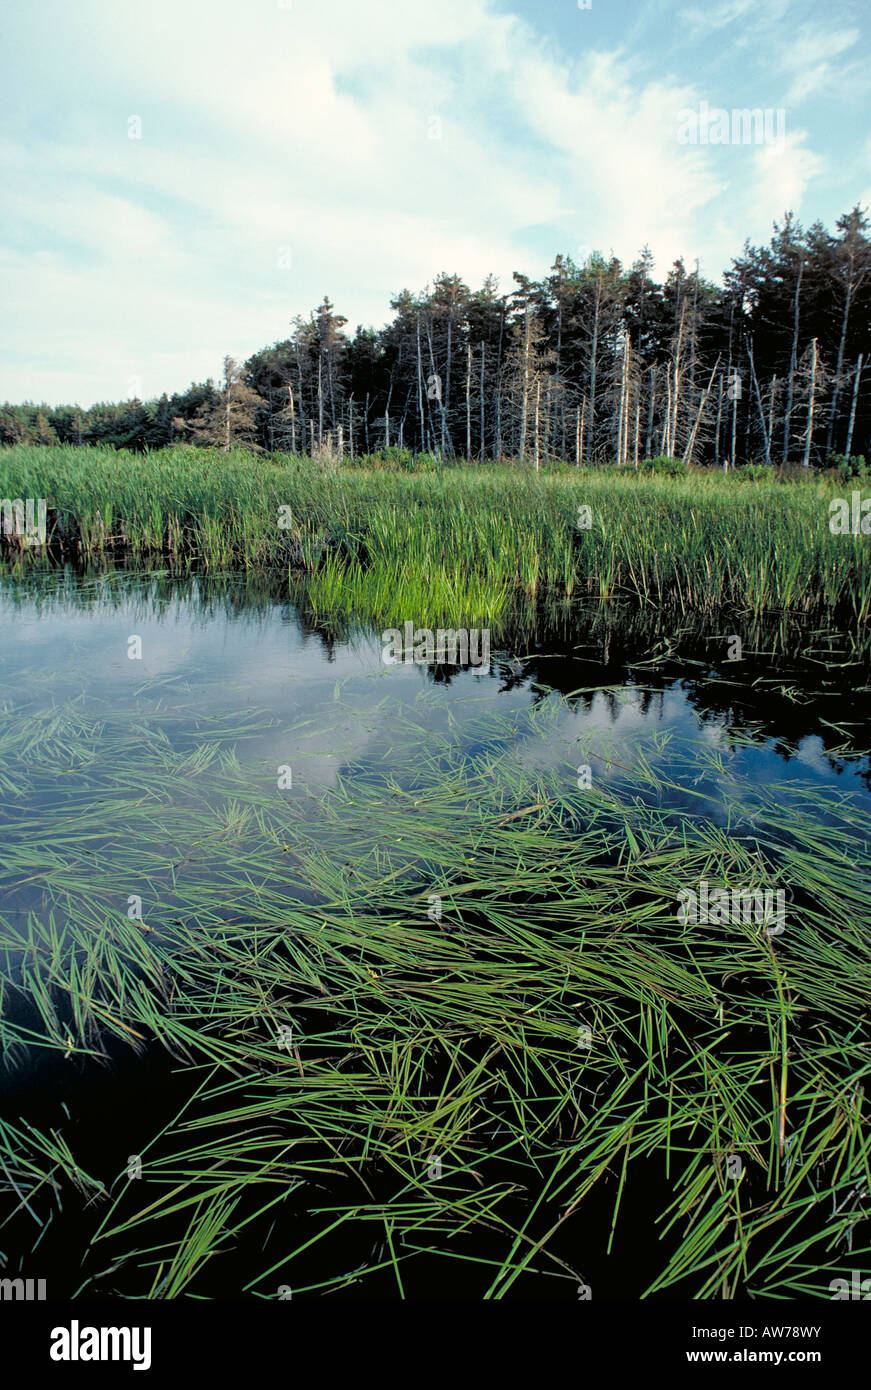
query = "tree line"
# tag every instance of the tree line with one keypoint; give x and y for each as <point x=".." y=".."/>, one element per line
<point x="594" y="363"/>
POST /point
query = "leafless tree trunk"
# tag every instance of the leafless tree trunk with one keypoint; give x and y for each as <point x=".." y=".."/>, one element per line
<point x="688" y="453"/>
<point x="468" y="400"/>
<point x="810" y="405"/>
<point x="481" y="392"/>
<point x="301" y="402"/>
<point x="650" y="411"/>
<point x="499" y="422"/>
<point x="537" y="407"/>
<point x="420" y="391"/>
<point x="853" y="406"/>
<point x="627" y="401"/>
<point x="525" y="386"/>
<point x="853" y="282"/>
<point x="792" y="362"/>
<point x="441" y="399"/>
<point x="559" y="344"/>
<point x="672" y="433"/>
<point x="594" y="352"/>
<point x="620" y="409"/>
<point x="447" y="380"/>
<point x="320" y="398"/>
<point x="765" y="439"/>
<point x="663" y="448"/>
<point x="621" y="414"/>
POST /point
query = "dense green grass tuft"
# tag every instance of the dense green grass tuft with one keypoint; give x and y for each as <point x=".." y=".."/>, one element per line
<point x="465" y="543"/>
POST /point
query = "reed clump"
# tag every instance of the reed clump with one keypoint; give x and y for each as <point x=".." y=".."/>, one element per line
<point x="460" y="543"/>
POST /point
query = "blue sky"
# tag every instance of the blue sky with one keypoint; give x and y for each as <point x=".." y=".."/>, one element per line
<point x="290" y="150"/>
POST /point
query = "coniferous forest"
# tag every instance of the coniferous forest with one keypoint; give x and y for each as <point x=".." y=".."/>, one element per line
<point x="594" y="363"/>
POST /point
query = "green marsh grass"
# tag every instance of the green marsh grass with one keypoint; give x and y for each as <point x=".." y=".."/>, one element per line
<point x="463" y="543"/>
<point x="413" y="1040"/>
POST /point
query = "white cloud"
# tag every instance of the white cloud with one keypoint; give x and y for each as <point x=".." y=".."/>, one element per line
<point x="308" y="128"/>
<point x="785" y="170"/>
<point x="806" y="59"/>
<point x="715" y="17"/>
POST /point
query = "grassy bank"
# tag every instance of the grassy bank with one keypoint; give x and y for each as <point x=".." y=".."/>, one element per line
<point x="459" y="544"/>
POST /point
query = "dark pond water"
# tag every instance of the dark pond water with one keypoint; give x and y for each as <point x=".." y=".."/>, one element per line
<point x="234" y="667"/>
<point x="115" y="768"/>
<point x="125" y="690"/>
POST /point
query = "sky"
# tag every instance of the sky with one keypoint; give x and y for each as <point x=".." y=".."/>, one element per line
<point x="181" y="178"/>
